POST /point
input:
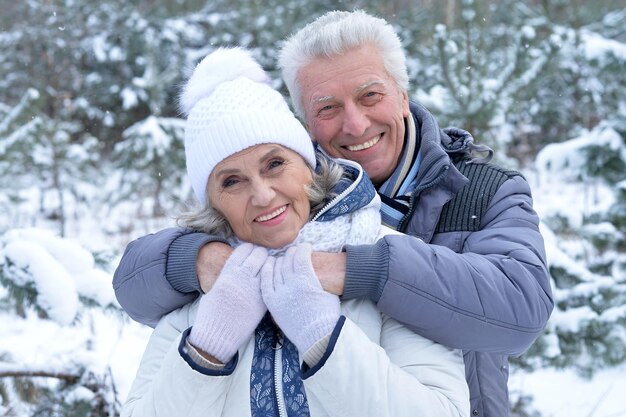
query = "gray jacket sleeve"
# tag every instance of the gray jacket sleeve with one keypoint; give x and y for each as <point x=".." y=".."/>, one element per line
<point x="493" y="296"/>
<point x="157" y="273"/>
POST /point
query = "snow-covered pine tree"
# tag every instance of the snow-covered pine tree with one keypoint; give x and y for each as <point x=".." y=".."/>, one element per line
<point x="17" y="123"/>
<point x="587" y="331"/>
<point x="62" y="330"/>
<point x="151" y="167"/>
<point x="583" y="84"/>
<point x="147" y="161"/>
<point x="480" y="65"/>
<point x="38" y="154"/>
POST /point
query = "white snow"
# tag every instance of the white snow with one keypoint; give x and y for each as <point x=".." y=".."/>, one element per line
<point x="597" y="47"/>
<point x="563" y="393"/>
<point x="55" y="287"/>
<point x="129" y="98"/>
<point x="101" y="340"/>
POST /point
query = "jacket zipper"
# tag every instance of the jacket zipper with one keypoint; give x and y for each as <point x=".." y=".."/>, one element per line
<point x="340" y="196"/>
<point x="278" y="373"/>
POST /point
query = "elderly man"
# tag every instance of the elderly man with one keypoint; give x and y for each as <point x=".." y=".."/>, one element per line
<point x="470" y="271"/>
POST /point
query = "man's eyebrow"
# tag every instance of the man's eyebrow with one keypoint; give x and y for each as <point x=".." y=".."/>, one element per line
<point x="323" y="99"/>
<point x="357" y="90"/>
<point x="369" y="84"/>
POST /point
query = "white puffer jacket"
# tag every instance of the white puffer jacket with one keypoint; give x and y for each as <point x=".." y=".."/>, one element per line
<point x="377" y="367"/>
<point x="373" y="366"/>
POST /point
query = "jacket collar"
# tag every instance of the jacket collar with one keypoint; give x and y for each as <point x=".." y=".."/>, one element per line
<point x="438" y="179"/>
<point x="355" y="191"/>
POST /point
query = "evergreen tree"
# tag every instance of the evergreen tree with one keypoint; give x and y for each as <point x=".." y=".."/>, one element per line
<point x="582" y="85"/>
<point x="480" y="65"/>
<point x="151" y="166"/>
<point x="18" y="123"/>
<point x="587" y="331"/>
<point x="53" y="296"/>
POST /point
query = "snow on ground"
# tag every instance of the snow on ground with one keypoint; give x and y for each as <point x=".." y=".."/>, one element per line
<point x="101" y="339"/>
<point x="105" y="342"/>
<point x="562" y="393"/>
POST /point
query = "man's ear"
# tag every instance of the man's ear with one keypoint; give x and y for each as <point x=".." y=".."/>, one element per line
<point x="405" y="104"/>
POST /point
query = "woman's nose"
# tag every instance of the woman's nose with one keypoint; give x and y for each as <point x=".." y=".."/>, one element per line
<point x="262" y="193"/>
<point x="355" y="121"/>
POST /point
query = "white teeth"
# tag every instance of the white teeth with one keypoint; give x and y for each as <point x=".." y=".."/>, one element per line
<point x="365" y="145"/>
<point x="271" y="215"/>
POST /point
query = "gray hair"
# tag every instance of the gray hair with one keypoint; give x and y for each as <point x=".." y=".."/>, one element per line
<point x="209" y="220"/>
<point x="335" y="33"/>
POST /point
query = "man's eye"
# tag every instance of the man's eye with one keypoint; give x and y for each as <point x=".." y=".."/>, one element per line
<point x="326" y="109"/>
<point x="371" y="97"/>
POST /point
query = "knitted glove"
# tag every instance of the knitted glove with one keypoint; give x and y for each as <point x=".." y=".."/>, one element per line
<point x="231" y="310"/>
<point x="294" y="296"/>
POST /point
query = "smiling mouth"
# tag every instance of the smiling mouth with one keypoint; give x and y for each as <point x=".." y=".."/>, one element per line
<point x="271" y="215"/>
<point x="366" y="145"/>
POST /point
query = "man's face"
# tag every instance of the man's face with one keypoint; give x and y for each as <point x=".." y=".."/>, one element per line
<point x="354" y="110"/>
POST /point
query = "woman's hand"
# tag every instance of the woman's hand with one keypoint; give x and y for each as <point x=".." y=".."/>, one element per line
<point x="301" y="308"/>
<point x="231" y="310"/>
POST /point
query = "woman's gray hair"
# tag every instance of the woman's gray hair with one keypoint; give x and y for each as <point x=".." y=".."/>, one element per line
<point x="209" y="220"/>
<point x="335" y="33"/>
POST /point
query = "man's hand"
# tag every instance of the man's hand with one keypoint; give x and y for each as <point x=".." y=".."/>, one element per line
<point x="210" y="261"/>
<point x="330" y="269"/>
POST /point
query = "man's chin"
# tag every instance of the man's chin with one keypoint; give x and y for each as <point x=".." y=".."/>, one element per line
<point x="374" y="171"/>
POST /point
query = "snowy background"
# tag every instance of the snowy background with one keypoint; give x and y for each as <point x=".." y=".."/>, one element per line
<point x="91" y="158"/>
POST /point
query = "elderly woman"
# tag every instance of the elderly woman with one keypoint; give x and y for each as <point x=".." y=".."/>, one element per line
<point x="267" y="340"/>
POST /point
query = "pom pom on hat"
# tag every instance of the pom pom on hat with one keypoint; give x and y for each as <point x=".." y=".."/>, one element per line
<point x="230" y="106"/>
<point x="224" y="64"/>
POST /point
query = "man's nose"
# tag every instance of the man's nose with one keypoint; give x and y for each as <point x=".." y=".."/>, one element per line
<point x="355" y="121"/>
<point x="262" y="193"/>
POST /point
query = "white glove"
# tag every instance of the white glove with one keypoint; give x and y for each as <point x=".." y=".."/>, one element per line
<point x="301" y="308"/>
<point x="231" y="310"/>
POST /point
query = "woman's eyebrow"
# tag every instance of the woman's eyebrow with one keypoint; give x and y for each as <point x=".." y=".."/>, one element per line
<point x="270" y="153"/>
<point x="275" y="150"/>
<point x="226" y="171"/>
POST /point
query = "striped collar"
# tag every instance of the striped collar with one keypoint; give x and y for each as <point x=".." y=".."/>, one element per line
<point x="395" y="191"/>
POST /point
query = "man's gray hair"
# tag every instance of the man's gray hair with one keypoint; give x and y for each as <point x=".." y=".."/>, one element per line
<point x="335" y="33"/>
<point x="209" y="220"/>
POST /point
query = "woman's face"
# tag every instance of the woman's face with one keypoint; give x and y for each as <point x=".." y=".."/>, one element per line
<point x="261" y="191"/>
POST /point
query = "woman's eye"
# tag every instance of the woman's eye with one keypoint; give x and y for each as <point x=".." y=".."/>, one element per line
<point x="275" y="163"/>
<point x="229" y="182"/>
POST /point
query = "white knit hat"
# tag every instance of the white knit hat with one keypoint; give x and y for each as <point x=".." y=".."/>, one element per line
<point x="230" y="106"/>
